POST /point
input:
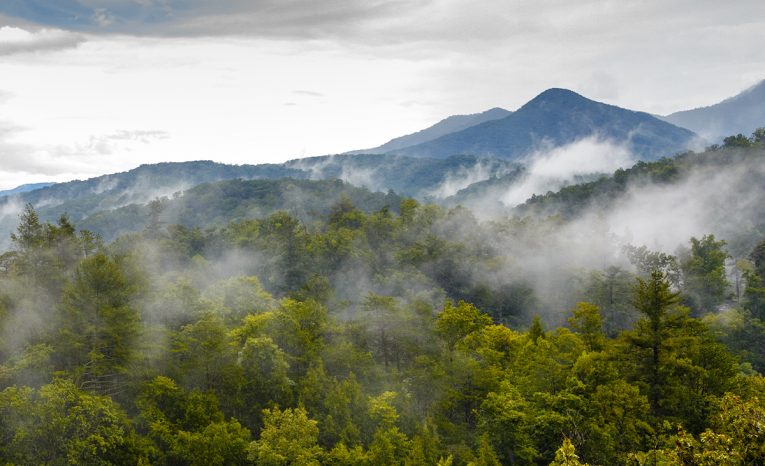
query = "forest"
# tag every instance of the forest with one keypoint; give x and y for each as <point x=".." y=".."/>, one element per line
<point x="400" y="333"/>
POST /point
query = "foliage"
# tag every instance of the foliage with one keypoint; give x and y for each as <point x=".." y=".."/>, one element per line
<point x="367" y="337"/>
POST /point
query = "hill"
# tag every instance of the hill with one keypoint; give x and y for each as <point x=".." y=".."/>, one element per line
<point x="742" y="113"/>
<point x="216" y="204"/>
<point x="717" y="191"/>
<point x="554" y="118"/>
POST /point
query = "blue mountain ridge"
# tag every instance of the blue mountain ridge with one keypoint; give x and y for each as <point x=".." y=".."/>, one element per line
<point x="554" y="118"/>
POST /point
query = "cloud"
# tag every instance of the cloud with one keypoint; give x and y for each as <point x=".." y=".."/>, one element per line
<point x="550" y="170"/>
<point x="143" y="136"/>
<point x="23" y="162"/>
<point x="308" y="93"/>
<point x="286" y="18"/>
<point x="14" y="40"/>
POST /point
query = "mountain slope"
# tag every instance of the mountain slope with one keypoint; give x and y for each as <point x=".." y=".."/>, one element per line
<point x="416" y="177"/>
<point x="742" y="113"/>
<point x="448" y="125"/>
<point x="718" y="192"/>
<point x="81" y="198"/>
<point x="557" y="117"/>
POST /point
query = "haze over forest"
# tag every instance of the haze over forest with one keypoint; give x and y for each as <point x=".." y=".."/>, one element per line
<point x="422" y="233"/>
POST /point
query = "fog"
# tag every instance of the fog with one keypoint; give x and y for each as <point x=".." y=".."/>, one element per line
<point x="540" y="250"/>
<point x="553" y="168"/>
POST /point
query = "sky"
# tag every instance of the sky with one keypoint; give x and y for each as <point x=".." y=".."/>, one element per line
<point x="89" y="87"/>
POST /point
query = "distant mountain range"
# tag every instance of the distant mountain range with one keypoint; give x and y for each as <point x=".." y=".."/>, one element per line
<point x="492" y="144"/>
<point x="742" y="113"/>
<point x="24" y="188"/>
<point x="418" y="177"/>
<point x="446" y="126"/>
<point x="553" y="118"/>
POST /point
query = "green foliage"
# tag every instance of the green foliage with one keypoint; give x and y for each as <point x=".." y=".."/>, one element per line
<point x="98" y="324"/>
<point x="338" y="341"/>
<point x="59" y="424"/>
<point x="704" y="273"/>
<point x="288" y="437"/>
<point x="656" y="302"/>
<point x="456" y="322"/>
<point x="611" y="291"/>
<point x="754" y="275"/>
<point x="566" y="455"/>
<point x="738" y="140"/>
<point x="586" y="321"/>
<point x="536" y="331"/>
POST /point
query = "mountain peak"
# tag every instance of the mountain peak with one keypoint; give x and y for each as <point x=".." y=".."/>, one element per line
<point x="558" y="94"/>
<point x="558" y="117"/>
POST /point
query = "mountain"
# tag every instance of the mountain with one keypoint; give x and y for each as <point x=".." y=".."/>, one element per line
<point x="742" y="113"/>
<point x="24" y="188"/>
<point x="554" y="118"/>
<point x="448" y="125"/>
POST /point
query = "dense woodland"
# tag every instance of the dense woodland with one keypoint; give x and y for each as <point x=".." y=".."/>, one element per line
<point x="394" y="334"/>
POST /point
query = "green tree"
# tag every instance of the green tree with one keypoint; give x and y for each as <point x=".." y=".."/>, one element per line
<point x="676" y="358"/>
<point x="536" y="330"/>
<point x="288" y="437"/>
<point x="486" y="455"/>
<point x="758" y="137"/>
<point x="188" y="427"/>
<point x="264" y="367"/>
<point x="456" y="322"/>
<point x="299" y="327"/>
<point x="586" y="321"/>
<point x="611" y="291"/>
<point x="657" y="303"/>
<point x="704" y="273"/>
<point x="204" y="358"/>
<point x="504" y="418"/>
<point x="62" y="425"/>
<point x="98" y="324"/>
<point x="738" y="140"/>
<point x="754" y="275"/>
<point x="566" y="455"/>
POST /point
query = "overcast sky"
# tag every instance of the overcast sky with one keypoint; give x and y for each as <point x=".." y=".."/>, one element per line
<point x="96" y="86"/>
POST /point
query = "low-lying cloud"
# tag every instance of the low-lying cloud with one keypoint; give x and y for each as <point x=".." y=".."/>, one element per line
<point x="550" y="170"/>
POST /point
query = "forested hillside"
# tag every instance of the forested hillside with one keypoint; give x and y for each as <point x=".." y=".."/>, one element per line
<point x="216" y="204"/>
<point x="719" y="190"/>
<point x="129" y="191"/>
<point x="407" y="334"/>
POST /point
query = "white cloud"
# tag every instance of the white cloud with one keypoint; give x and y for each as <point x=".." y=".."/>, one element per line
<point x="553" y="168"/>
<point x="14" y="40"/>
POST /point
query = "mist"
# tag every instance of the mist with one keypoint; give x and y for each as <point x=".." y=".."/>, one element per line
<point x="722" y="197"/>
<point x="553" y="168"/>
